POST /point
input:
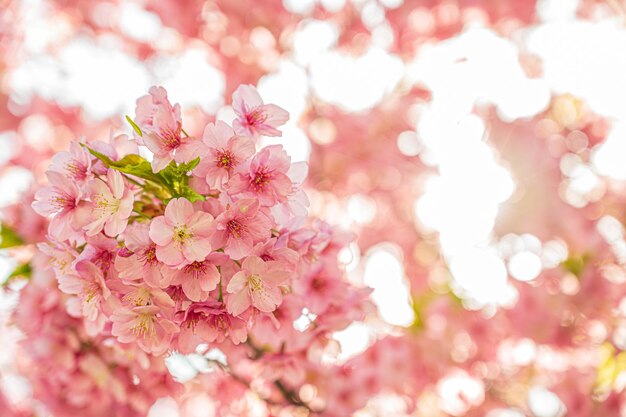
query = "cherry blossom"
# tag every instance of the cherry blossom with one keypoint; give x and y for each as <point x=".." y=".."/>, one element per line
<point x="181" y="235"/>
<point x="255" y="118"/>
<point x="264" y="178"/>
<point x="226" y="151"/>
<point x="257" y="284"/>
<point x="110" y="206"/>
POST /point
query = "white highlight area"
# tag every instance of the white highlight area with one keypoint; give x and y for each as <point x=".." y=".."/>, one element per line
<point x="482" y="274"/>
<point x="461" y="203"/>
<point x="545" y="403"/>
<point x="353" y="340"/>
<point x="458" y="392"/>
<point x="385" y="274"/>
<point x="573" y="63"/>
<point x="164" y="407"/>
<point x="479" y="65"/>
<point x="355" y="84"/>
<point x="525" y="266"/>
<point x="608" y="157"/>
<point x="191" y="80"/>
<point x="86" y="73"/>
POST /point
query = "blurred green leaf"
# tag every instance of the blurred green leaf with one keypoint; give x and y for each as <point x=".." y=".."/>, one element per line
<point x="576" y="264"/>
<point x="23" y="271"/>
<point x="9" y="238"/>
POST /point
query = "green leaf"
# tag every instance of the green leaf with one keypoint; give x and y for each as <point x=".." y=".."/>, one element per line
<point x="22" y="271"/>
<point x="9" y="238"/>
<point x="171" y="182"/>
<point x="134" y="125"/>
<point x="191" y="195"/>
<point x="186" y="167"/>
<point x="177" y="181"/>
<point x="130" y="164"/>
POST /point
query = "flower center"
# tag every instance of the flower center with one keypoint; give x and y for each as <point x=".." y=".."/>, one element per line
<point x="220" y="322"/>
<point x="171" y="139"/>
<point x="138" y="297"/>
<point x="144" y="325"/>
<point x="182" y="234"/>
<point x="76" y="170"/>
<point x="149" y="256"/>
<point x="225" y="159"/>
<point x="105" y="205"/>
<point x="236" y="229"/>
<point x="103" y="260"/>
<point x="256" y="117"/>
<point x="255" y="283"/>
<point x="63" y="201"/>
<point x="261" y="179"/>
<point x="196" y="269"/>
<point x="91" y="293"/>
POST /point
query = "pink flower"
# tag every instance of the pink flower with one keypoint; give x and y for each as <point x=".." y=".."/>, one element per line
<point x="269" y="251"/>
<point x="75" y="164"/>
<point x="198" y="278"/>
<point x="181" y="235"/>
<point x="297" y="200"/>
<point x="111" y="205"/>
<point x="265" y="177"/>
<point x="89" y="287"/>
<point x="321" y="286"/>
<point x="224" y="152"/>
<point x="209" y="322"/>
<point x="256" y="284"/>
<point x="139" y="294"/>
<point x="146" y="326"/>
<point x="99" y="250"/>
<point x="161" y="125"/>
<point x="237" y="229"/>
<point x="142" y="262"/>
<point x="286" y="367"/>
<point x="60" y="199"/>
<point x="255" y="118"/>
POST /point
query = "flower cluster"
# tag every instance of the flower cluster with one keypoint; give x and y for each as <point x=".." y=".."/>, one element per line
<point x="74" y="373"/>
<point x="207" y="244"/>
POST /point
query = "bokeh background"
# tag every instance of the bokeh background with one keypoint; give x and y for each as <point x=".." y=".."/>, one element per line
<point x="476" y="147"/>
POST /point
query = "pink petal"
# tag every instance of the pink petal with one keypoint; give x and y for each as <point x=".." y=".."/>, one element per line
<point x="238" y="303"/>
<point x="192" y="289"/>
<point x="159" y="163"/>
<point x="179" y="211"/>
<point x="197" y="249"/>
<point x="267" y="300"/>
<point x="209" y="281"/>
<point x="160" y="232"/>
<point x="237" y="282"/>
<point x="170" y="254"/>
<point x="276" y="277"/>
<point x="115" y="181"/>
<point x="154" y="277"/>
<point x="129" y="268"/>
<point x="238" y="248"/>
<point x="242" y="146"/>
<point x="137" y="236"/>
<point x="200" y="222"/>
<point x="190" y="149"/>
<point x="115" y="226"/>
<point x="71" y="284"/>
<point x="245" y="98"/>
<point x="254" y="265"/>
